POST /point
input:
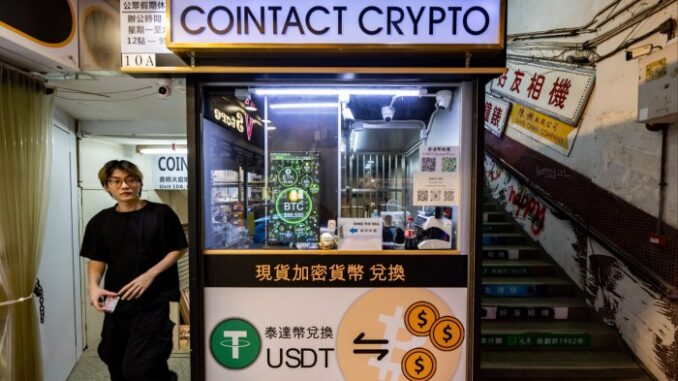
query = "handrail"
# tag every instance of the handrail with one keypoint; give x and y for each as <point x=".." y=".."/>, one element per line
<point x="643" y="271"/>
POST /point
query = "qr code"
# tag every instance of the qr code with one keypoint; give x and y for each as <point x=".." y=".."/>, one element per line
<point x="436" y="195"/>
<point x="428" y="164"/>
<point x="449" y="164"/>
<point x="448" y="195"/>
<point x="422" y="195"/>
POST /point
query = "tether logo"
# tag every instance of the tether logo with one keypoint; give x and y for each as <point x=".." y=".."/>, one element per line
<point x="235" y="343"/>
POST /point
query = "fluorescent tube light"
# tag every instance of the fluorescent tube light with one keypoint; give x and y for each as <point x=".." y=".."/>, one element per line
<point x="339" y="91"/>
<point x="162" y="150"/>
<point x="288" y="106"/>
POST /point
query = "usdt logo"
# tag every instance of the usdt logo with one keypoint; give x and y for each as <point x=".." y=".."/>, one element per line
<point x="235" y="343"/>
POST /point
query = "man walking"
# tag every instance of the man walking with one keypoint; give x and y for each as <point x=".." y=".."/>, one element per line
<point x="136" y="243"/>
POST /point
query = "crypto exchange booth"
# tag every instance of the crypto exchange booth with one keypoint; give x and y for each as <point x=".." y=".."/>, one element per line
<point x="335" y="158"/>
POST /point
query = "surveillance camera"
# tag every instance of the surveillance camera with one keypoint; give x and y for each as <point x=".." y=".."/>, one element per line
<point x="443" y="99"/>
<point x="387" y="113"/>
<point x="164" y="88"/>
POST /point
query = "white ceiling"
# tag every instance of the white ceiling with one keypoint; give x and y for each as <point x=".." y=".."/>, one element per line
<point x="118" y="98"/>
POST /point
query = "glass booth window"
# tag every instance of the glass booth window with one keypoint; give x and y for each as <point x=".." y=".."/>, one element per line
<point x="373" y="167"/>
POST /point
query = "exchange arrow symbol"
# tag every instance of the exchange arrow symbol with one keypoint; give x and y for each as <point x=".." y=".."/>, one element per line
<point x="361" y="341"/>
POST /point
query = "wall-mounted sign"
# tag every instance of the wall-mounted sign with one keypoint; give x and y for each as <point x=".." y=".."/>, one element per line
<point x="294" y="179"/>
<point x="496" y="114"/>
<point x="142" y="26"/>
<point x="549" y="131"/>
<point x="217" y="24"/>
<point x="557" y="90"/>
<point x="170" y="172"/>
<point x="142" y="32"/>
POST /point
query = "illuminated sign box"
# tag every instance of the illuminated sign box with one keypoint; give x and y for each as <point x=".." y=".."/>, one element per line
<point x="359" y="25"/>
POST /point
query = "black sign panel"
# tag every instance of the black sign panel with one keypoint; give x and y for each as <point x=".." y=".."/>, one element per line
<point x="295" y="270"/>
<point x="240" y="117"/>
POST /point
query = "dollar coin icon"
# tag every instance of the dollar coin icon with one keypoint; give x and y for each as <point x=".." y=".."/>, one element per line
<point x="419" y="318"/>
<point x="447" y="333"/>
<point x="419" y="364"/>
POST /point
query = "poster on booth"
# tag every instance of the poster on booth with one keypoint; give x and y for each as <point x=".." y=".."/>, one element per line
<point x="170" y="172"/>
<point x="351" y="334"/>
<point x="294" y="179"/>
<point x="437" y="182"/>
<point x="360" y="233"/>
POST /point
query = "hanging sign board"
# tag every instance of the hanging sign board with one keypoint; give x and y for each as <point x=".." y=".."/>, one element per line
<point x="170" y="172"/>
<point x="496" y="114"/>
<point x="556" y="90"/>
<point x="553" y="133"/>
<point x="208" y="24"/>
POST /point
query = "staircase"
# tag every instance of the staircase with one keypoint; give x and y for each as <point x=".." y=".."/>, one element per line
<point x="536" y="324"/>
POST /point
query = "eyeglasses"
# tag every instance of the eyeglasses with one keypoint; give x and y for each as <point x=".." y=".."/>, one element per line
<point x="129" y="180"/>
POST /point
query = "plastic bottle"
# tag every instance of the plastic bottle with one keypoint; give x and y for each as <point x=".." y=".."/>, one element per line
<point x="410" y="235"/>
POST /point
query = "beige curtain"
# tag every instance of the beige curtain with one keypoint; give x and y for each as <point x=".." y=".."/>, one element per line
<point x="25" y="141"/>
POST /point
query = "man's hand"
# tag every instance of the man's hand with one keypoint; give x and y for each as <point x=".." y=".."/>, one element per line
<point x="97" y="295"/>
<point x="137" y="287"/>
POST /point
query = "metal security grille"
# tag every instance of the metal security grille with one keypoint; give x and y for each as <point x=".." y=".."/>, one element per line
<point x="372" y="181"/>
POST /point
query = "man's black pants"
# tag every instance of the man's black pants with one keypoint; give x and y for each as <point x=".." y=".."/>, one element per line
<point x="136" y="344"/>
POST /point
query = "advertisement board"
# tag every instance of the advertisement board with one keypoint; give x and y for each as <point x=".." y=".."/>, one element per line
<point x="352" y="318"/>
<point x="294" y="181"/>
<point x="561" y="91"/>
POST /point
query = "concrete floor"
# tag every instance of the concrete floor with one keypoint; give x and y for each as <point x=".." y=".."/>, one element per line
<point x="90" y="367"/>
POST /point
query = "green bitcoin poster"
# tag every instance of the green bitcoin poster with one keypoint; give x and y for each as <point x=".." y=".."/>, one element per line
<point x="294" y="179"/>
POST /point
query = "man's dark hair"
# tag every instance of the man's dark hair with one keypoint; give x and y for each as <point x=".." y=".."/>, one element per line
<point x="107" y="170"/>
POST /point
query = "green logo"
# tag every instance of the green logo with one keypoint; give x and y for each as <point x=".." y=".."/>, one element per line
<point x="235" y="343"/>
<point x="293" y="205"/>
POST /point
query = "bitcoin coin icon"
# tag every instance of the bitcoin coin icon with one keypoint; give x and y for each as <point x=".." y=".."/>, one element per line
<point x="419" y="318"/>
<point x="419" y="364"/>
<point x="447" y="333"/>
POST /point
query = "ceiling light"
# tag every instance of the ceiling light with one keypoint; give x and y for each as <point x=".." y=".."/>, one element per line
<point x="159" y="150"/>
<point x="339" y="91"/>
<point x="287" y="106"/>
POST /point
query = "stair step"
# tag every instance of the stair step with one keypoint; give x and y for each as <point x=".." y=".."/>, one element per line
<point x="491" y="206"/>
<point x="575" y="335"/>
<point x="534" y="309"/>
<point x="511" y="252"/>
<point x="535" y="268"/>
<point x="505" y="239"/>
<point x="559" y="365"/>
<point x="498" y="227"/>
<point x="494" y="217"/>
<point x="526" y="286"/>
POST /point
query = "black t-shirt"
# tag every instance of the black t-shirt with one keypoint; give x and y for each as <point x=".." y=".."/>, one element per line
<point x="130" y="243"/>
